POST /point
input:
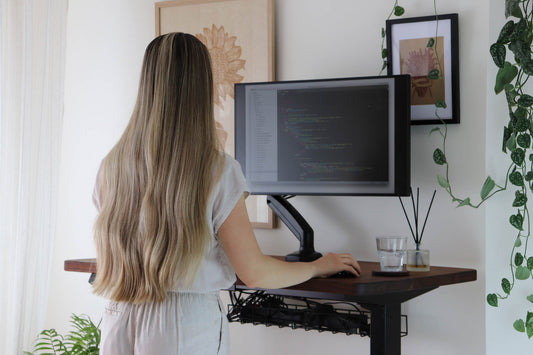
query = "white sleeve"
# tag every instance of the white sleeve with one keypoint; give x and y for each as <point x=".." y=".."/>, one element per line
<point x="231" y="186"/>
<point x="96" y="190"/>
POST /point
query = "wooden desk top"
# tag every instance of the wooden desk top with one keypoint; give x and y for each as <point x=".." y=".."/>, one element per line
<point x="366" y="287"/>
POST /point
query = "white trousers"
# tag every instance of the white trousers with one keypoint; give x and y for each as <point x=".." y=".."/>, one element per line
<point x="183" y="324"/>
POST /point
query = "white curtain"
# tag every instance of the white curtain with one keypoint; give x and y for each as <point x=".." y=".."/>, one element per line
<point x="32" y="65"/>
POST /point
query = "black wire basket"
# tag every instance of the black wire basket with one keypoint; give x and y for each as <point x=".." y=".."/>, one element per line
<point x="258" y="307"/>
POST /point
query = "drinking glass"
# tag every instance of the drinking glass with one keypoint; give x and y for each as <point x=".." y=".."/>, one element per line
<point x="391" y="251"/>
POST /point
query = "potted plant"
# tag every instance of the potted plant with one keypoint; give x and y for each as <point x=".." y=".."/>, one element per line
<point x="83" y="339"/>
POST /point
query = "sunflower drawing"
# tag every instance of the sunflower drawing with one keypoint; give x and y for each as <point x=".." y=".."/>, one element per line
<point x="226" y="60"/>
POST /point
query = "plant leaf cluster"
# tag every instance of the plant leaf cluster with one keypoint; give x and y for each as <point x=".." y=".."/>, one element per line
<point x="398" y="11"/>
<point x="513" y="56"/>
<point x="83" y="339"/>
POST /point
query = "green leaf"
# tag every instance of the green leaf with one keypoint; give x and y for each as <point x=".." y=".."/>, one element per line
<point x="520" y="112"/>
<point x="440" y="103"/>
<point x="530" y="298"/>
<point x="465" y="202"/>
<point x="384" y="53"/>
<point x="506" y="286"/>
<point x="512" y="8"/>
<point x="399" y="11"/>
<point x="519" y="30"/>
<point x="384" y="66"/>
<point x="498" y="52"/>
<point x="527" y="66"/>
<point x="443" y="182"/>
<point x="517" y="156"/>
<point x="506" y="135"/>
<point x="519" y="325"/>
<point x="518" y="259"/>
<point x="516" y="221"/>
<point x="522" y="124"/>
<point x="492" y="299"/>
<point x="517" y="242"/>
<point x="520" y="49"/>
<point x="511" y="142"/>
<point x="522" y="273"/>
<point x="516" y="179"/>
<point x="525" y="100"/>
<point x="530" y="263"/>
<point x="438" y="157"/>
<point x="436" y="129"/>
<point x="505" y="33"/>
<point x="524" y="140"/>
<point x="510" y="95"/>
<point x="433" y="74"/>
<point x="517" y="12"/>
<point x="431" y="42"/>
<point x="529" y="319"/>
<point x="510" y="5"/>
<point x="520" y="199"/>
<point x="487" y="187"/>
<point x="383" y="33"/>
<point x="529" y="324"/>
<point x="505" y="75"/>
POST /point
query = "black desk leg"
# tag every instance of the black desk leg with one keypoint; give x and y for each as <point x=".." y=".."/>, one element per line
<point x="385" y="328"/>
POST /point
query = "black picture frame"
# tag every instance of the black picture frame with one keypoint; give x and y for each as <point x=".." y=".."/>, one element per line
<point x="408" y="53"/>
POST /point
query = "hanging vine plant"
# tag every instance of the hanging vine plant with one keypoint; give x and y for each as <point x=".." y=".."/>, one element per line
<point x="514" y="41"/>
<point x="513" y="56"/>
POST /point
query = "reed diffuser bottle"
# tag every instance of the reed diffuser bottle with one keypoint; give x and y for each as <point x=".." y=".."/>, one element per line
<point x="417" y="259"/>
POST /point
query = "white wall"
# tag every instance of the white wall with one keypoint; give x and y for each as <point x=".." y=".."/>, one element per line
<point x="314" y="39"/>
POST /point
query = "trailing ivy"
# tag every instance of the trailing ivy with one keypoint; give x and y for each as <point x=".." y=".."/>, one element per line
<point x="398" y="11"/>
<point x="512" y="55"/>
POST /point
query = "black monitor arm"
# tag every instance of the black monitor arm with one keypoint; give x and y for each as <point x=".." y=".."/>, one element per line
<point x="297" y="225"/>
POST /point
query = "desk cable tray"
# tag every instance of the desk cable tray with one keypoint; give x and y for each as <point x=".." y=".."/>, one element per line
<point x="258" y="307"/>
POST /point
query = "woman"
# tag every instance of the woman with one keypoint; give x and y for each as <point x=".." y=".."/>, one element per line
<point x="173" y="229"/>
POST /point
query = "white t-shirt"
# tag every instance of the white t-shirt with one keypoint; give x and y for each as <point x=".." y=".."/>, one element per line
<point x="215" y="272"/>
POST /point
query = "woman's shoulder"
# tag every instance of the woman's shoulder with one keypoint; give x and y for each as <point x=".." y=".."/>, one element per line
<point x="229" y="171"/>
<point x="227" y="163"/>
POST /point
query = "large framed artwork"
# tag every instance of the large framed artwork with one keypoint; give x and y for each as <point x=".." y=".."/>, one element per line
<point x="240" y="37"/>
<point x="417" y="46"/>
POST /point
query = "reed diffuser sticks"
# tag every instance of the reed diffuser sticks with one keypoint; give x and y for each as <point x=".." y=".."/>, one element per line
<point x="416" y="214"/>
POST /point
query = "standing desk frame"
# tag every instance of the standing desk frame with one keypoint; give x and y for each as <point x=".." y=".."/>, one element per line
<point x="381" y="295"/>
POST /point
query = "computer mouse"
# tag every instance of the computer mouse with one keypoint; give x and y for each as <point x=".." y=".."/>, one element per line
<point x="343" y="274"/>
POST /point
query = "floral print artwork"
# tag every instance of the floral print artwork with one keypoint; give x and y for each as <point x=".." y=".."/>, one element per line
<point x="226" y="60"/>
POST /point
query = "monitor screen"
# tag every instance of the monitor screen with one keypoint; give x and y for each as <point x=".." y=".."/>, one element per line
<point x="347" y="136"/>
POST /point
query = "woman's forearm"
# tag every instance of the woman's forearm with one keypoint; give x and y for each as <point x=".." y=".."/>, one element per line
<point x="269" y="272"/>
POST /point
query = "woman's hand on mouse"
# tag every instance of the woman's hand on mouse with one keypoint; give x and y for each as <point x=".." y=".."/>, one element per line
<point x="332" y="263"/>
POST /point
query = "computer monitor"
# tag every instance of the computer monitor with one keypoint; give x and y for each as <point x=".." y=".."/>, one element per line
<point x="347" y="136"/>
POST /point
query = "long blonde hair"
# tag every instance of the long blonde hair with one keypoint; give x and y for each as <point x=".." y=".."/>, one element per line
<point x="155" y="183"/>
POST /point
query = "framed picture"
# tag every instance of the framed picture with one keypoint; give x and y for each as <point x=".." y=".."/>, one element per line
<point x="240" y="37"/>
<point x="418" y="45"/>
